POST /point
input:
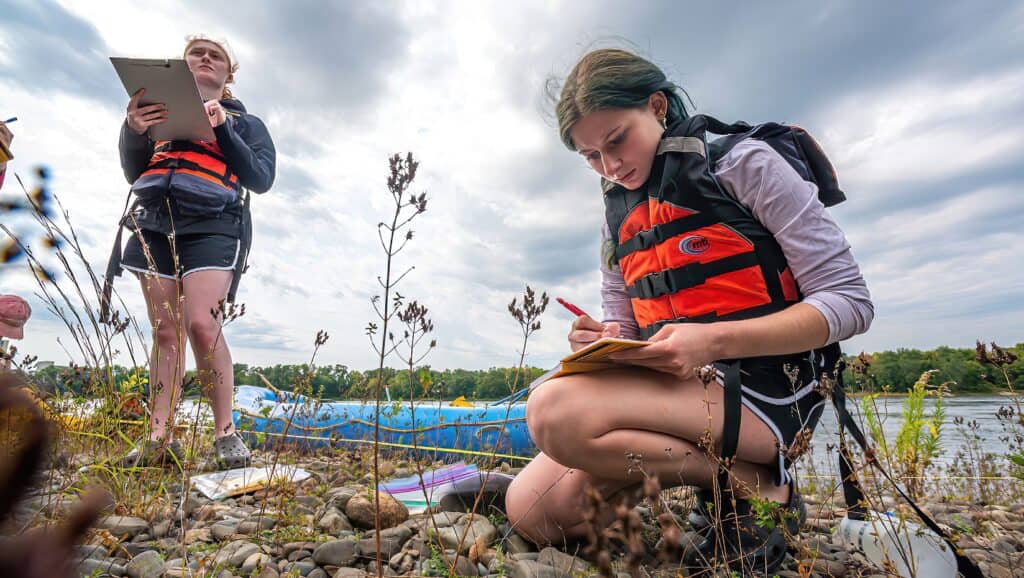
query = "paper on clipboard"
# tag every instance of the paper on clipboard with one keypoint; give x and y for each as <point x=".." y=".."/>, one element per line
<point x="171" y="82"/>
<point x="593" y="357"/>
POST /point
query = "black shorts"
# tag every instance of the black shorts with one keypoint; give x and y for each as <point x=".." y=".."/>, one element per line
<point x="192" y="252"/>
<point x="786" y="396"/>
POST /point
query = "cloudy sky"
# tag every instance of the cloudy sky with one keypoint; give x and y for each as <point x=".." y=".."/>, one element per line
<point x="919" y="105"/>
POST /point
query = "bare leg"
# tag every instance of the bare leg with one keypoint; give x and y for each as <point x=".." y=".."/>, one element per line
<point x="167" y="357"/>
<point x="203" y="292"/>
<point x="546" y="501"/>
<point x="621" y="425"/>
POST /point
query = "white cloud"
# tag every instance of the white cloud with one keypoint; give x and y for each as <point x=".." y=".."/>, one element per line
<point x="509" y="206"/>
<point x="926" y="129"/>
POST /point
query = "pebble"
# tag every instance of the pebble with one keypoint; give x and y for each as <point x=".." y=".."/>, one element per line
<point x="327" y="532"/>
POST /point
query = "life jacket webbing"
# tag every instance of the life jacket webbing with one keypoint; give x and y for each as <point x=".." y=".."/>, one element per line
<point x="188" y="146"/>
<point x="680" y="278"/>
<point x="659" y="233"/>
<point x="164" y="165"/>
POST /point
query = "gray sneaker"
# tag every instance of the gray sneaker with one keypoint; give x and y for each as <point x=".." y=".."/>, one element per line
<point x="153" y="453"/>
<point x="232" y="451"/>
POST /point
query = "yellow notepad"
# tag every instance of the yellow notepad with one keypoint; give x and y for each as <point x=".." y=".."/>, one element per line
<point x="5" y="153"/>
<point x="593" y="357"/>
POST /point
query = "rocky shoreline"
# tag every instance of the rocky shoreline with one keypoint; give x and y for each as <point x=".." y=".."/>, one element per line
<point x="323" y="528"/>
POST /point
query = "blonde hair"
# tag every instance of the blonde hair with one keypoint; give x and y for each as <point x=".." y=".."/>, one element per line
<point x="228" y="53"/>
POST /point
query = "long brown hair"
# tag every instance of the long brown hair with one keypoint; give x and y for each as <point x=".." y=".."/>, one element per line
<point x="613" y="78"/>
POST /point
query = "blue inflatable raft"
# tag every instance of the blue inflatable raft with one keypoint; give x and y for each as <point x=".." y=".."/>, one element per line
<point x="467" y="429"/>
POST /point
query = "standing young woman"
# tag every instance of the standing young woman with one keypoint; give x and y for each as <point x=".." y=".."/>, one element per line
<point x="782" y="285"/>
<point x="190" y="242"/>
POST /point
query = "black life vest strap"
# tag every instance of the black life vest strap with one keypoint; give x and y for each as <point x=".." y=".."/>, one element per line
<point x="245" y="244"/>
<point x="658" y="233"/>
<point x="732" y="410"/>
<point x="174" y="146"/>
<point x="852" y="491"/>
<point x="673" y="280"/>
<point x="174" y="163"/>
<point x="715" y="126"/>
<point x="114" y="263"/>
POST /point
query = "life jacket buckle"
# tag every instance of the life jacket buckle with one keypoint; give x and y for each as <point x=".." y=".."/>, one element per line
<point x="650" y="237"/>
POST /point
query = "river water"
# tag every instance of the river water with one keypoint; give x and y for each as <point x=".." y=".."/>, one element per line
<point x="980" y="424"/>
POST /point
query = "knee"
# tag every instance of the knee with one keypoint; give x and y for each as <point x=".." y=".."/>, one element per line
<point x="205" y="334"/>
<point x="167" y="335"/>
<point x="553" y="420"/>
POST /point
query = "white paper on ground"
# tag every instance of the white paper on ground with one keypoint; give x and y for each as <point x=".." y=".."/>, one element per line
<point x="227" y="483"/>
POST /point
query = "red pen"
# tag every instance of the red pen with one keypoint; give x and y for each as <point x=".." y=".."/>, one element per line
<point x="572" y="308"/>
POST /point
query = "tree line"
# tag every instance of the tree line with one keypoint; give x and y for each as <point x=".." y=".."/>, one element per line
<point x="894" y="371"/>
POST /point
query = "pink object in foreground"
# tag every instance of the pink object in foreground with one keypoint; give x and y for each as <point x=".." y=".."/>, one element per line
<point x="14" y="312"/>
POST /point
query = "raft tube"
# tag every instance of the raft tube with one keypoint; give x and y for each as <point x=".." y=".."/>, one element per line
<point x="467" y="428"/>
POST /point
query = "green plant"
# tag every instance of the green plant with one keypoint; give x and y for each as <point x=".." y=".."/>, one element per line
<point x="917" y="442"/>
<point x="765" y="512"/>
<point x="435" y="564"/>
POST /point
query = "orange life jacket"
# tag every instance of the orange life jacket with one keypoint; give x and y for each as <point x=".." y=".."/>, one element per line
<point x="688" y="251"/>
<point x="194" y="173"/>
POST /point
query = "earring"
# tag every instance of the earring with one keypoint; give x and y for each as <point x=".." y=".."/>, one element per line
<point x="664" y="123"/>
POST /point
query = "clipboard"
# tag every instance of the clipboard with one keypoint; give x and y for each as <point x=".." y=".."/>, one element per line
<point x="171" y="82"/>
<point x="593" y="357"/>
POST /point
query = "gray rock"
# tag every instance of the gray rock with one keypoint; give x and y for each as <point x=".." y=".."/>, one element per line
<point x="525" y="556"/>
<point x="94" y="551"/>
<point x="562" y="563"/>
<point x="350" y="573"/>
<point x="530" y="569"/>
<point x="515" y="544"/>
<point x="92" y="566"/>
<point x="222" y="531"/>
<point x="391" y="542"/>
<point x="242" y="554"/>
<point x="317" y="573"/>
<point x="304" y="567"/>
<point x="146" y="565"/>
<point x="268" y="572"/>
<point x="829" y="567"/>
<point x="235" y="553"/>
<point x="161" y="529"/>
<point x="179" y="568"/>
<point x="257" y="560"/>
<point x="123" y="525"/>
<point x="293" y="546"/>
<point x="335" y="553"/>
<point x="339" y="497"/>
<point x="254" y="525"/>
<point x="464" y="534"/>
<point x="464" y="567"/>
<point x="333" y="522"/>
<point x="135" y="548"/>
<point x="445" y="519"/>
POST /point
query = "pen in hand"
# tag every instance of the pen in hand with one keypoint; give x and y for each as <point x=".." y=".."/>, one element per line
<point x="10" y="120"/>
<point x="572" y="308"/>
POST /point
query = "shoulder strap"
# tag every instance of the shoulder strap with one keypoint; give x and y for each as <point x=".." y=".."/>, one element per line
<point x="113" y="265"/>
<point x="246" y="244"/>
